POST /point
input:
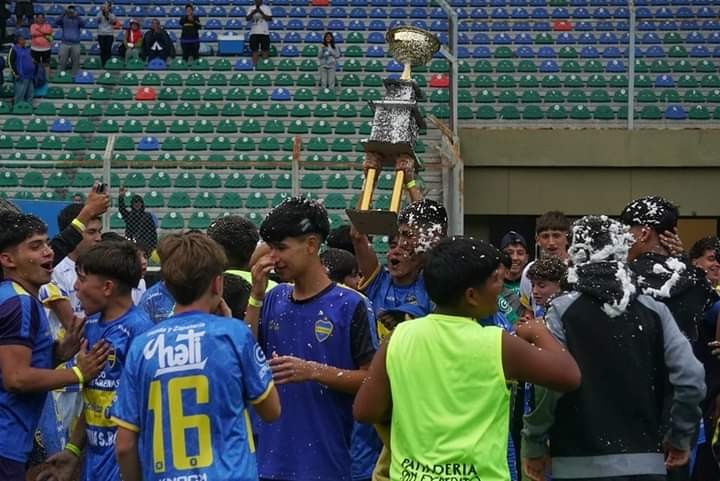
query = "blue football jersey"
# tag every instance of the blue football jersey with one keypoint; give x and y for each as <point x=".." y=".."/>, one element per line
<point x="99" y="394"/>
<point x="185" y="389"/>
<point x="311" y="440"/>
<point x="157" y="302"/>
<point x="385" y="294"/>
<point x="22" y="322"/>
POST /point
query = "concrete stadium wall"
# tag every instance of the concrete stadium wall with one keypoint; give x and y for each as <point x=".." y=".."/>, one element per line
<point x="527" y="172"/>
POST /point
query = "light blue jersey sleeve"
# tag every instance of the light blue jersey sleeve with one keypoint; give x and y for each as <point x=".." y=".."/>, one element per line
<point x="255" y="370"/>
<point x="125" y="412"/>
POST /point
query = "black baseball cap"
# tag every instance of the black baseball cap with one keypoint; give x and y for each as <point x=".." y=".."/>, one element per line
<point x="511" y="238"/>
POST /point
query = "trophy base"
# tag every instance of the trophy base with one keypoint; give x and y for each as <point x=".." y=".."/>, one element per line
<point x="373" y="222"/>
<point x="389" y="151"/>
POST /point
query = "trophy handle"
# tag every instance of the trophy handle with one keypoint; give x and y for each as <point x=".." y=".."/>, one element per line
<point x="397" y="191"/>
<point x="368" y="188"/>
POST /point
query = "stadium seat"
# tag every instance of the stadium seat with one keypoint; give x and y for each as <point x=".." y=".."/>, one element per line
<point x="172" y="221"/>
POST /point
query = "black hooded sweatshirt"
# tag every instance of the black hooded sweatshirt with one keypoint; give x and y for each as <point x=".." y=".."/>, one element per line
<point x="683" y="288"/>
<point x="139" y="225"/>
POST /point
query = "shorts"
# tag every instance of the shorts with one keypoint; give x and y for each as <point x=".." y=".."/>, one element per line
<point x="260" y="42"/>
<point x="11" y="470"/>
<point x="24" y="9"/>
<point x="41" y="56"/>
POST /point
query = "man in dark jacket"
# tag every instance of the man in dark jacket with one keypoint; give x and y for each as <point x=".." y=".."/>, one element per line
<point x="614" y="427"/>
<point x="23" y="69"/>
<point x="157" y="43"/>
<point x="673" y="281"/>
<point x="139" y="224"/>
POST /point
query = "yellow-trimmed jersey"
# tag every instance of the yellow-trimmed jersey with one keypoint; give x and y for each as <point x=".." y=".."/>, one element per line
<point x="186" y="389"/>
<point x="99" y="393"/>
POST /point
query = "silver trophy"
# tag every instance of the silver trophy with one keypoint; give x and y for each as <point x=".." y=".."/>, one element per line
<point x="396" y="125"/>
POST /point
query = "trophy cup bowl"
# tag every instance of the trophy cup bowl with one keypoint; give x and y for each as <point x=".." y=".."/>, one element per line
<point x="411" y="45"/>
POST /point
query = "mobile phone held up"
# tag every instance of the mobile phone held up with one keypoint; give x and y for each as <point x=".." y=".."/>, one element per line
<point x="101" y="188"/>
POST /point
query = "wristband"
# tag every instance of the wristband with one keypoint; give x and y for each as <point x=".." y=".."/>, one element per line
<point x="255" y="302"/>
<point x="411" y="184"/>
<point x="79" y="374"/>
<point x="73" y="449"/>
<point x="78" y="225"/>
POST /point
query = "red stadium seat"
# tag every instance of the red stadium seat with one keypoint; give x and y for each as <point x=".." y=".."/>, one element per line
<point x="440" y="81"/>
<point x="146" y="93"/>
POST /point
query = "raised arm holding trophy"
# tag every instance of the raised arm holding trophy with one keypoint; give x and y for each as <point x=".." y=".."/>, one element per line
<point x="395" y="128"/>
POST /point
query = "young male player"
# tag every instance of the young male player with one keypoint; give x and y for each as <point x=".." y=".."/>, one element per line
<point x="182" y="403"/>
<point x="27" y="351"/>
<point x="106" y="276"/>
<point x="320" y="340"/>
<point x="441" y="379"/>
<point x="631" y="354"/>
<point x="546" y="276"/>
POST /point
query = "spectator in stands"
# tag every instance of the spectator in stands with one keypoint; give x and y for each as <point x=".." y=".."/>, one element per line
<point x="23" y="10"/>
<point x="157" y="43"/>
<point x="71" y="23"/>
<point x="260" y="15"/>
<point x="139" y="224"/>
<point x="41" y="35"/>
<point x="23" y="69"/>
<point x="133" y="41"/>
<point x="106" y="34"/>
<point x="329" y="54"/>
<point x="190" y="36"/>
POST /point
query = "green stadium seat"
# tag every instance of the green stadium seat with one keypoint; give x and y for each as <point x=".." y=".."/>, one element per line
<point x="185" y="109"/>
<point x="252" y="110"/>
<point x="317" y="144"/>
<point x="532" y="112"/>
<point x="199" y="220"/>
<point x="115" y="109"/>
<point x="235" y="181"/>
<point x="97" y="143"/>
<point x="342" y="144"/>
<point x="573" y="81"/>
<point x="346" y="111"/>
<point x="441" y="111"/>
<point x="190" y="94"/>
<point x="121" y="94"/>
<point x="694" y="96"/>
<point x="557" y="112"/>
<point x="335" y="201"/>
<point x="244" y="144"/>
<point x="593" y="66"/>
<point x="365" y="128"/>
<point x="57" y="180"/>
<point x="530" y="97"/>
<point x="180" y="126"/>
<point x="551" y="82"/>
<point x="703" y="66"/>
<point x="27" y="142"/>
<point x="277" y="110"/>
<point x="220" y="143"/>
<point x="6" y="142"/>
<point x="298" y="127"/>
<point x="23" y="195"/>
<point x="117" y="222"/>
<point x="261" y="181"/>
<point x="620" y="96"/>
<point x="155" y="126"/>
<point x="311" y="181"/>
<point x="172" y="221"/>
<point x="554" y="96"/>
<point x="284" y="181"/>
<point x="714" y="96"/>
<point x="250" y="126"/>
<point x="647" y="96"/>
<point x="196" y="143"/>
<point x="599" y="96"/>
<point x="710" y="81"/>
<point x="274" y="126"/>
<point x="269" y="144"/>
<point x="135" y="180"/>
<point x="222" y="65"/>
<point x="108" y="126"/>
<point x="208" y="110"/>
<point x="186" y="180"/>
<point x="124" y="142"/>
<point x="9" y="179"/>
<point x="580" y="112"/>
<point x="13" y="124"/>
<point x="306" y="80"/>
<point x="698" y="112"/>
<point x="37" y="125"/>
<point x="651" y="112"/>
<point x="257" y="200"/>
<point x="31" y="180"/>
<point x="716" y="113"/>
<point x="372" y="80"/>
<point x="577" y="96"/>
<point x="486" y="112"/>
<point x="172" y="143"/>
<point x="230" y="200"/>
<point x="167" y="94"/>
<point x="505" y="97"/>
<point x="505" y="66"/>
<point x="603" y="112"/>
<point x="677" y="51"/>
<point x="154" y="200"/>
<point x="688" y="81"/>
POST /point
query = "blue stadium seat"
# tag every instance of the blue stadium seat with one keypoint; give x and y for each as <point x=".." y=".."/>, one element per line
<point x="589" y="52"/>
<point x="340" y="12"/>
<point x="675" y="112"/>
<point x="148" y="143"/>
<point x="700" y="51"/>
<point x="377" y="25"/>
<point x="292" y="37"/>
<point x="376" y="37"/>
<point x="547" y="52"/>
<point x="664" y="80"/>
<point x="375" y="51"/>
<point x="318" y="12"/>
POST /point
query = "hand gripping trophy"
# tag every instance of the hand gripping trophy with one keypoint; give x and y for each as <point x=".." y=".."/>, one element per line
<point x="395" y="128"/>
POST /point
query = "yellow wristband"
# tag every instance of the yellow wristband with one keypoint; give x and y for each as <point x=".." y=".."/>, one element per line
<point x="79" y="374"/>
<point x="78" y="225"/>
<point x="411" y="184"/>
<point x="73" y="449"/>
<point x="255" y="302"/>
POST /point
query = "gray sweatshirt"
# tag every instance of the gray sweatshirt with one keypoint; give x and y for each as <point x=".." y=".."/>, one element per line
<point x="328" y="56"/>
<point x="105" y="26"/>
<point x="686" y="376"/>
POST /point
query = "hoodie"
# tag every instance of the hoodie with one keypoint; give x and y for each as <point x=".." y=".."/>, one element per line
<point x="628" y="347"/>
<point x="683" y="288"/>
<point x="71" y="26"/>
<point x="21" y="63"/>
<point x="139" y="224"/>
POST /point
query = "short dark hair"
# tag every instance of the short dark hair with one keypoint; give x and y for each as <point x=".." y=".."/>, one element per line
<point x="552" y="220"/>
<point x="424" y="214"/>
<point x="339" y="238"/>
<point x="111" y="236"/>
<point x="236" y="293"/>
<point x="547" y="269"/>
<point x="339" y="264"/>
<point x="295" y="217"/>
<point x="116" y="260"/>
<point x="656" y="212"/>
<point x="189" y="263"/>
<point x="66" y="216"/>
<point x="703" y="245"/>
<point x="237" y="235"/>
<point x="16" y="227"/>
<point x="456" y="264"/>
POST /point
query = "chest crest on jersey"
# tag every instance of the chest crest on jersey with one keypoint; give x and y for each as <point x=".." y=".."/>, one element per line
<point x="323" y="329"/>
